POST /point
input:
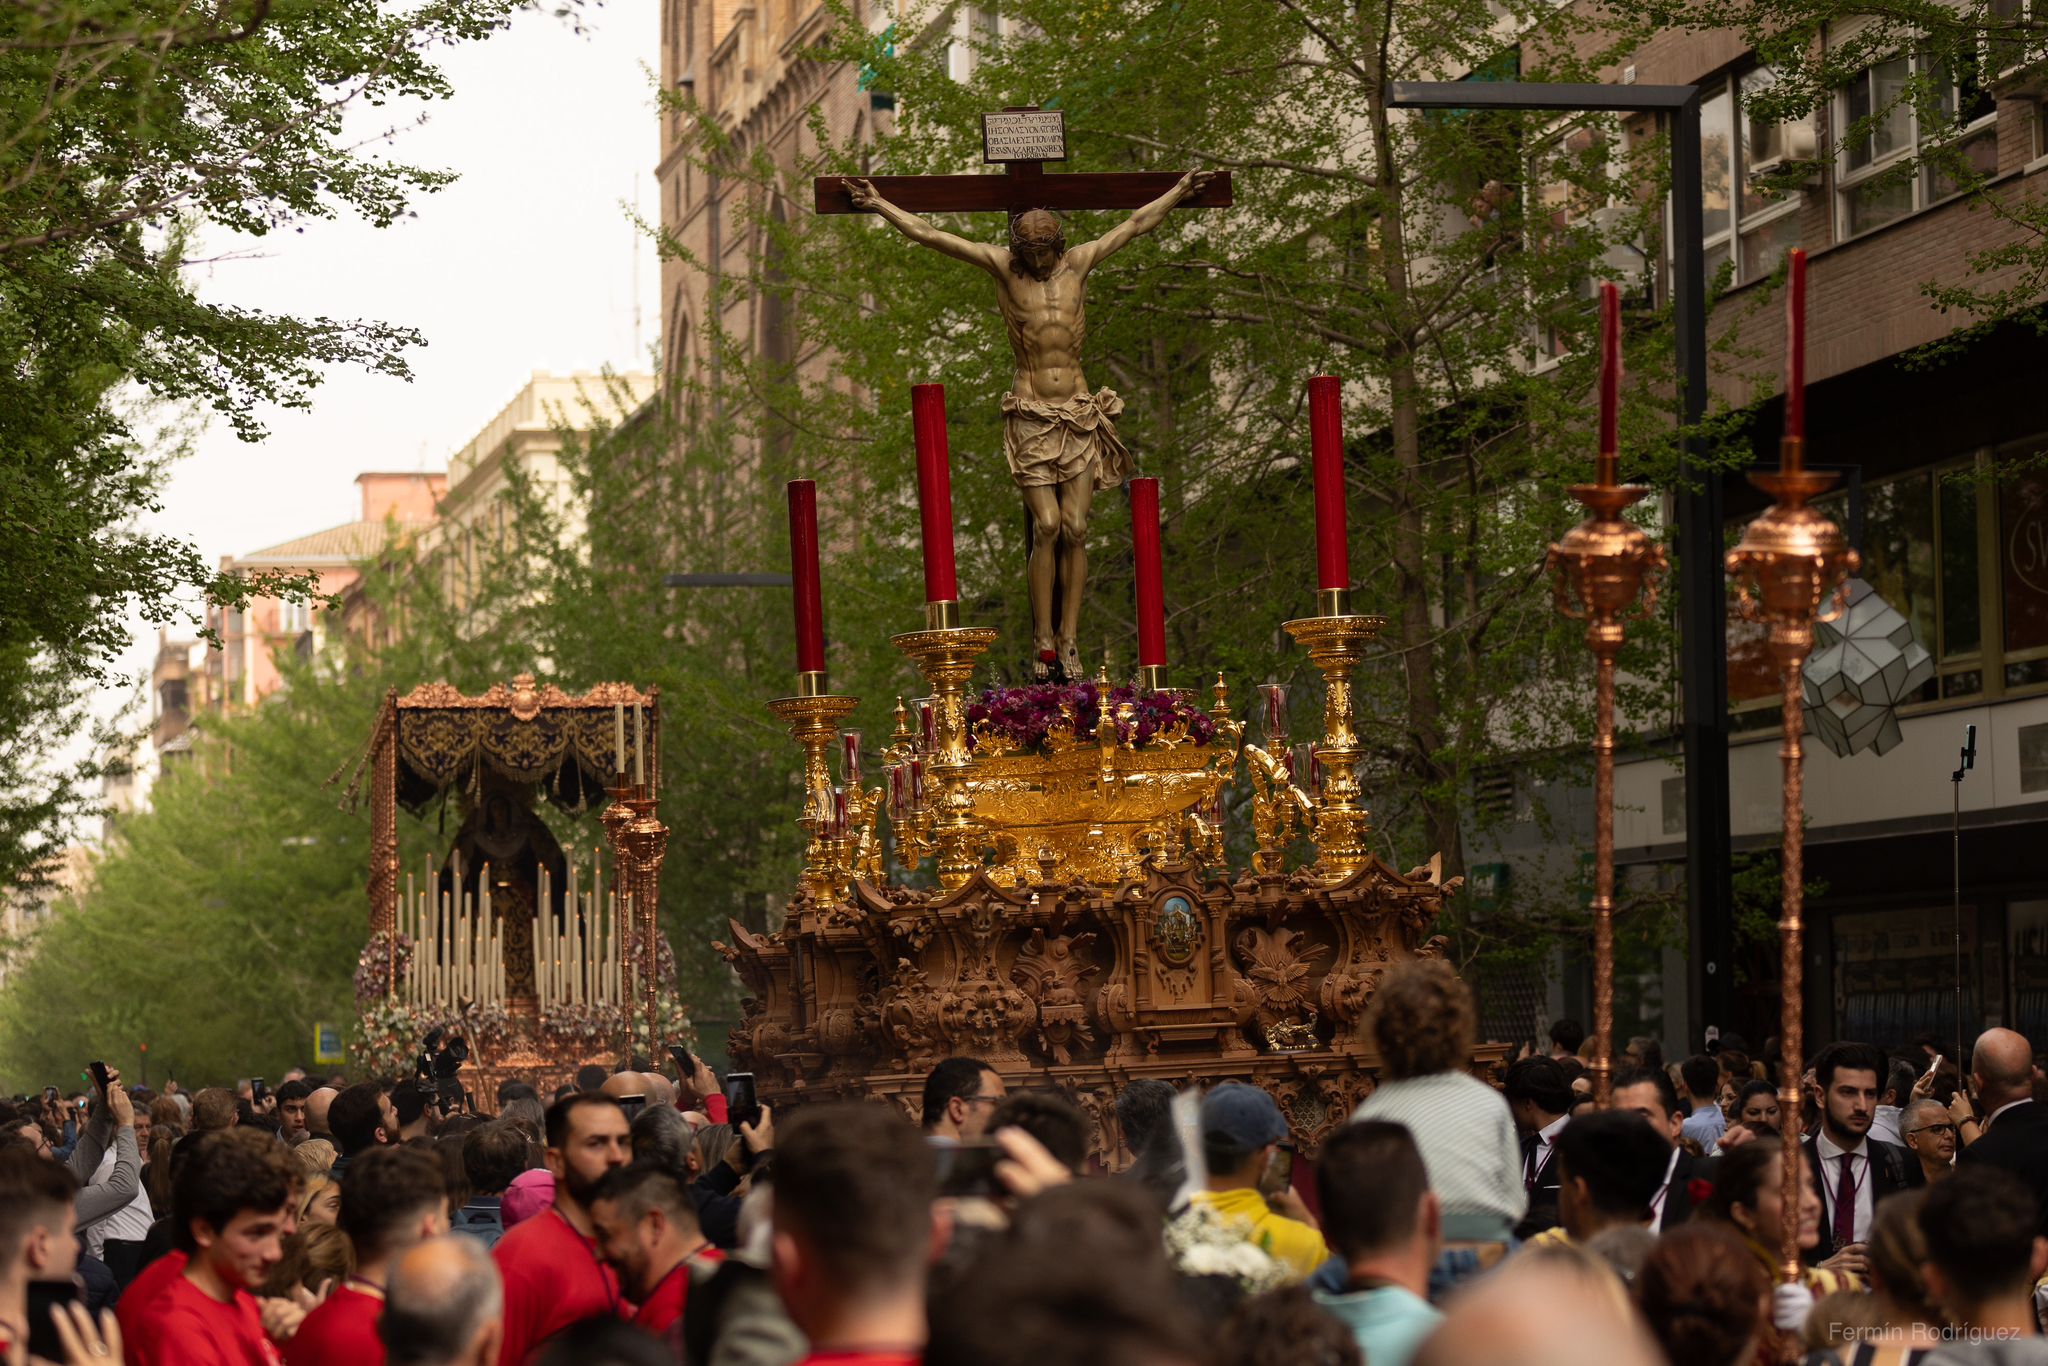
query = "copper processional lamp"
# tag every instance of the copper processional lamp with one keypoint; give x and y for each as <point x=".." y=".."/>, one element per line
<point x="1599" y="571"/>
<point x="1791" y="569"/>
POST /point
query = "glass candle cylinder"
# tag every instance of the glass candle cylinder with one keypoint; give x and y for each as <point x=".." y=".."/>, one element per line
<point x="1273" y="710"/>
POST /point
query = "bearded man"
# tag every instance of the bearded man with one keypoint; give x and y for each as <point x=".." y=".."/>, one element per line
<point x="553" y="1269"/>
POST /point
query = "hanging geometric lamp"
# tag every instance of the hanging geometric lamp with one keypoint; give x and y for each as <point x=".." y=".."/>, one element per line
<point x="1864" y="663"/>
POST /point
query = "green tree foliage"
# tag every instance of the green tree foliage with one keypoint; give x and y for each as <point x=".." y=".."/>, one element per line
<point x="1439" y="265"/>
<point x="124" y="125"/>
<point x="225" y="921"/>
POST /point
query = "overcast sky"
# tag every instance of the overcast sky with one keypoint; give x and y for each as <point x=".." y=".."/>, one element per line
<point x="525" y="263"/>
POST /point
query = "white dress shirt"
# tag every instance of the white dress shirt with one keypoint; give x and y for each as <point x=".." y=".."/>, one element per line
<point x="1830" y="1164"/>
<point x="1546" y="1137"/>
<point x="1663" y="1192"/>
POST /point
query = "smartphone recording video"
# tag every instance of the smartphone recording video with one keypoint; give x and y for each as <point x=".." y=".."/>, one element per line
<point x="742" y="1105"/>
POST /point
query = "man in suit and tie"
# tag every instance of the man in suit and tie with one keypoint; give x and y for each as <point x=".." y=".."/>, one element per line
<point x="2015" y="1129"/>
<point x="1856" y="1171"/>
<point x="1539" y="1096"/>
<point x="1651" y="1094"/>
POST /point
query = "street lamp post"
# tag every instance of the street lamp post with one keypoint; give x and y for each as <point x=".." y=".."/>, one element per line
<point x="1703" y="641"/>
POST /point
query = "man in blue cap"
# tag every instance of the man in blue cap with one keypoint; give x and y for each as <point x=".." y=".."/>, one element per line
<point x="1242" y="1131"/>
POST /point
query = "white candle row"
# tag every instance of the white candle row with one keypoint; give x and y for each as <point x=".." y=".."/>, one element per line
<point x="578" y="959"/>
<point x="458" y="949"/>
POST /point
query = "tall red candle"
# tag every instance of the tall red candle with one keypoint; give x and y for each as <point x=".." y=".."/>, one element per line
<point x="1607" y="457"/>
<point x="803" y="573"/>
<point x="934" y="491"/>
<point x="1795" y="345"/>
<point x="1326" y="442"/>
<point x="1151" y="586"/>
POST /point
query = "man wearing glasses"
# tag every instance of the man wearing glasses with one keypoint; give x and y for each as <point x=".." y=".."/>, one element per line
<point x="1931" y="1135"/>
<point x="959" y="1096"/>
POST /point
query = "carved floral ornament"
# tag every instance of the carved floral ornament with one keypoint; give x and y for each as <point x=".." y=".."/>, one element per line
<point x="1074" y="987"/>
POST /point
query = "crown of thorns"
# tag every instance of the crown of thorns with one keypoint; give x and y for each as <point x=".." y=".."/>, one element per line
<point x="1017" y="239"/>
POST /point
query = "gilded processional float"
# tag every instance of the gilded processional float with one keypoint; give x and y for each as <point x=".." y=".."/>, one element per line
<point x="1085" y="928"/>
<point x="542" y="957"/>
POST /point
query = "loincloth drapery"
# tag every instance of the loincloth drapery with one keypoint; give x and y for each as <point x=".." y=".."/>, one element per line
<point x="1055" y="443"/>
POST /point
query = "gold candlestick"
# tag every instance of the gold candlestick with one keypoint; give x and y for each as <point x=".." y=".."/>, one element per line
<point x="945" y="655"/>
<point x="1598" y="572"/>
<point x="646" y="840"/>
<point x="813" y="722"/>
<point x="1335" y="644"/>
<point x="615" y="818"/>
<point x="1791" y="562"/>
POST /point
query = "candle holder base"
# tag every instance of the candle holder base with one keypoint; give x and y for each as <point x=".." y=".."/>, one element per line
<point x="813" y="722"/>
<point x="1336" y="644"/>
<point x="946" y="657"/>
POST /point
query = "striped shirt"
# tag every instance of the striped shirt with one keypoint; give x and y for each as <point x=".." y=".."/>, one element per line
<point x="1467" y="1139"/>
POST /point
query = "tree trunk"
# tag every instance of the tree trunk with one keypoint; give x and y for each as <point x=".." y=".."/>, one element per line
<point x="1440" y="810"/>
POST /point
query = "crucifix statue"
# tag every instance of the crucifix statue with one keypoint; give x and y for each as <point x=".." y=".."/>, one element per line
<point x="1059" y="438"/>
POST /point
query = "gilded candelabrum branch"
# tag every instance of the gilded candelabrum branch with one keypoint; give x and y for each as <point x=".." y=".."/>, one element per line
<point x="946" y="657"/>
<point x="813" y="722"/>
<point x="1336" y="645"/>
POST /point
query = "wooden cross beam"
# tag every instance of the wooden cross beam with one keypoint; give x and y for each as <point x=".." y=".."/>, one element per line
<point x="1022" y="185"/>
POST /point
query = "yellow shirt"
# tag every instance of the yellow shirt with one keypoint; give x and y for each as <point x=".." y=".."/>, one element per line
<point x="1290" y="1241"/>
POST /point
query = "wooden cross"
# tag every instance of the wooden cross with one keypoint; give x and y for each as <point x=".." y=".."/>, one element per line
<point x="1023" y="184"/>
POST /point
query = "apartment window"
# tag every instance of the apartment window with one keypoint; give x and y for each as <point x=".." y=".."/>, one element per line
<point x="1900" y="149"/>
<point x="1571" y="188"/>
<point x="294" y="618"/>
<point x="1749" y="220"/>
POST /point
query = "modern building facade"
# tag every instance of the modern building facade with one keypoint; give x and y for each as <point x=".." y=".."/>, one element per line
<point x="1943" y="496"/>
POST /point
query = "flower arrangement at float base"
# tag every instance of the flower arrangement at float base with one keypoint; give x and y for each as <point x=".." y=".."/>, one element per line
<point x="391" y="1030"/>
<point x="1036" y="717"/>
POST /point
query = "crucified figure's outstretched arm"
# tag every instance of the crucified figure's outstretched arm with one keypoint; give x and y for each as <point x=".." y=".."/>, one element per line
<point x="1088" y="255"/>
<point x="864" y="196"/>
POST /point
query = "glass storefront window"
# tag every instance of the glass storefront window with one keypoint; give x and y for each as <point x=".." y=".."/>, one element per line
<point x="2023" y="560"/>
<point x="1962" y="626"/>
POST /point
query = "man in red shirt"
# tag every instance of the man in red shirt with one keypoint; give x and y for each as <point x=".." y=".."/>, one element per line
<point x="391" y="1199"/>
<point x="647" y="1229"/>
<point x="553" y="1271"/>
<point x="38" y="1221"/>
<point x="233" y="1201"/>
<point x="855" y="1233"/>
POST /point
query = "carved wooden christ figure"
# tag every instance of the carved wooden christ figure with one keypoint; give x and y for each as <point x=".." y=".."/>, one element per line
<point x="1059" y="437"/>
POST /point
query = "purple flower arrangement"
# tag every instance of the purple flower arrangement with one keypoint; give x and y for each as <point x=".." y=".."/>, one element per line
<point x="1025" y="717"/>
